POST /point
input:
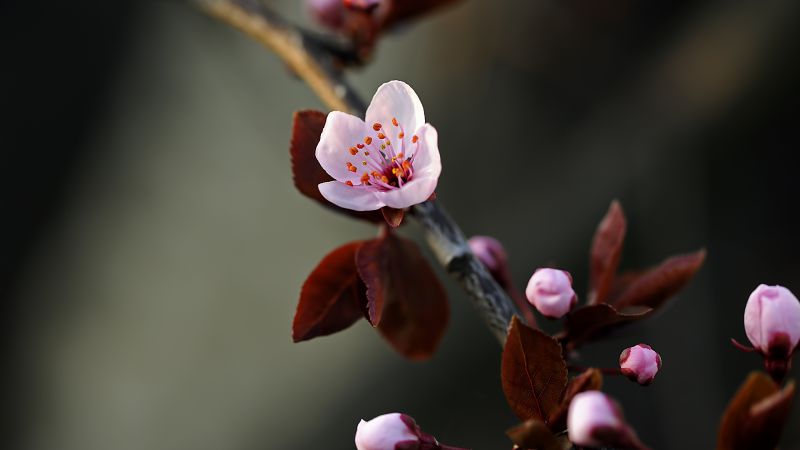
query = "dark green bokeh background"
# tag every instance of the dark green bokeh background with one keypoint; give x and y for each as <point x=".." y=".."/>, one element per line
<point x="153" y="244"/>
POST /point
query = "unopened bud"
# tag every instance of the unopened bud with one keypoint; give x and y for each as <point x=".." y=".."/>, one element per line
<point x="772" y="324"/>
<point x="329" y="13"/>
<point x="595" y="420"/>
<point x="640" y="363"/>
<point x="490" y="253"/>
<point x="386" y="432"/>
<point x="550" y="291"/>
<point x="362" y="5"/>
<point x="395" y="431"/>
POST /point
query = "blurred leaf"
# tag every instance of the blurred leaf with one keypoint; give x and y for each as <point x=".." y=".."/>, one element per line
<point x="605" y="253"/>
<point x="534" y="373"/>
<point x="657" y="285"/>
<point x="756" y="415"/>
<point x="404" y="10"/>
<point x="591" y="321"/>
<point x="306" y="170"/>
<point x="405" y="300"/>
<point x="332" y="297"/>
<point x="589" y="380"/>
<point x="534" y="434"/>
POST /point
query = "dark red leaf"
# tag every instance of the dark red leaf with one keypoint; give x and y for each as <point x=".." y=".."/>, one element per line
<point x="372" y="263"/>
<point x="591" y="321"/>
<point x="657" y="285"/>
<point x="306" y="171"/>
<point x="605" y="253"/>
<point x="403" y="10"/>
<point x="756" y="415"/>
<point x="590" y="380"/>
<point x="332" y="297"/>
<point x="533" y="372"/>
<point x="534" y="434"/>
<point x="406" y="302"/>
<point x="393" y="217"/>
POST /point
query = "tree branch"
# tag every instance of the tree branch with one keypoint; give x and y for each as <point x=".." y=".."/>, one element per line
<point x="313" y="61"/>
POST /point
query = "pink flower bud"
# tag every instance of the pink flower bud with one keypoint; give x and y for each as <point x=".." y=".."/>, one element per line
<point x="640" y="363"/>
<point x="395" y="431"/>
<point x="550" y="291"/>
<point x="329" y="13"/>
<point x="363" y="5"/>
<point x="595" y="420"/>
<point x="772" y="321"/>
<point x="387" y="432"/>
<point x="490" y="253"/>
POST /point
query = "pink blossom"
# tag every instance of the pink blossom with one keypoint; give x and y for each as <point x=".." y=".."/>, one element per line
<point x="550" y="291"/>
<point x="595" y="420"/>
<point x="772" y="321"/>
<point x="640" y="363"/>
<point x="391" y="160"/>
<point x="386" y="432"/>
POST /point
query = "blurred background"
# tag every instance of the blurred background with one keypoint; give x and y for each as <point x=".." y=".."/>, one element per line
<point x="153" y="245"/>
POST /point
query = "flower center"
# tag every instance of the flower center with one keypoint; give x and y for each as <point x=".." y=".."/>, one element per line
<point x="383" y="164"/>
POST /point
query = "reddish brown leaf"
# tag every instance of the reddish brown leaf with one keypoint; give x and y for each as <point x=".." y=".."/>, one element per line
<point x="372" y="263"/>
<point x="332" y="297"/>
<point x="605" y="253"/>
<point x="591" y="321"/>
<point x="756" y="415"/>
<point x="393" y="217"/>
<point x="534" y="434"/>
<point x="405" y="302"/>
<point x="533" y="372"/>
<point x="403" y="10"/>
<point x="590" y="380"/>
<point x="306" y="171"/>
<point x="657" y="285"/>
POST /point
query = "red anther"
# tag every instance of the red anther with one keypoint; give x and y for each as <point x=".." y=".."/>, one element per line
<point x="381" y="135"/>
<point x="353" y="150"/>
<point x="348" y="182"/>
<point x="368" y="140"/>
<point x="415" y="139"/>
<point x="394" y="121"/>
<point x="376" y="126"/>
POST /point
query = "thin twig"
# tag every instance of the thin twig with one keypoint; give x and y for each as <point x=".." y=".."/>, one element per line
<point x="312" y="61"/>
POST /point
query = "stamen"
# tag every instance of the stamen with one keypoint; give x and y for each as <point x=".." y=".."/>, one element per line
<point x="394" y="121"/>
<point x="368" y="140"/>
<point x="363" y="163"/>
<point x="366" y="153"/>
<point x="353" y="151"/>
<point x="383" y="146"/>
<point x="360" y="145"/>
<point x="376" y="126"/>
<point x="388" y="142"/>
<point x="400" y="155"/>
<point x="381" y="136"/>
<point x="415" y="139"/>
<point x="401" y="135"/>
<point x="351" y="167"/>
<point x="365" y="178"/>
<point x="348" y="182"/>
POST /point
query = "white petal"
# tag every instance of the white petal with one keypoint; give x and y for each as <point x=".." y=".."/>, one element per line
<point x="427" y="163"/>
<point x="397" y="100"/>
<point x="415" y="191"/>
<point x="350" y="197"/>
<point x="341" y="132"/>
